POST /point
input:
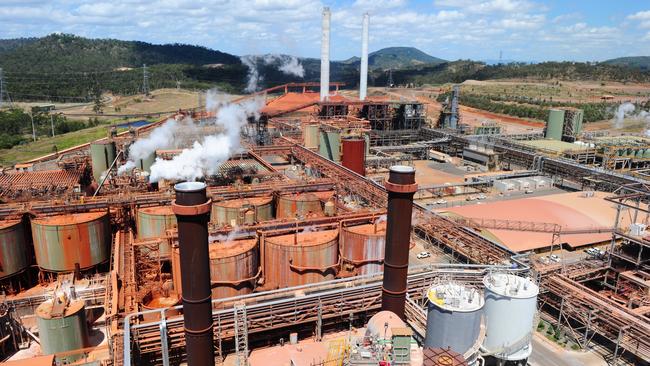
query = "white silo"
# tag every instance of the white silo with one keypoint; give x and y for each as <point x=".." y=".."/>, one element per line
<point x="454" y="319"/>
<point x="509" y="310"/>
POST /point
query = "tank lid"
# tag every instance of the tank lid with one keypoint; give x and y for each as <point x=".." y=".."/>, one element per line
<point x="455" y="297"/>
<point x="402" y="169"/>
<point x="510" y="285"/>
<point x="69" y="219"/>
<point x="8" y="223"/>
<point x="59" y="308"/>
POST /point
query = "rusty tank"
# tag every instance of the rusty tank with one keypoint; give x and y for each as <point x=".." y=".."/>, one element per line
<point x="64" y="241"/>
<point x="354" y="155"/>
<point x="298" y="259"/>
<point x="299" y="205"/>
<point x="13" y="248"/>
<point x="153" y="222"/>
<point x="233" y="212"/>
<point x="234" y="267"/>
<point x="362" y="247"/>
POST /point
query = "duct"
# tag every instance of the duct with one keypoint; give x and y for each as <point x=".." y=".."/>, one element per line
<point x="363" y="82"/>
<point x="401" y="187"/>
<point x="325" y="56"/>
<point x="192" y="209"/>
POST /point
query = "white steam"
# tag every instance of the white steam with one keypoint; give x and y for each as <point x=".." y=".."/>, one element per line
<point x="171" y="134"/>
<point x="289" y="65"/>
<point x="206" y="156"/>
<point x="627" y="111"/>
<point x="232" y="236"/>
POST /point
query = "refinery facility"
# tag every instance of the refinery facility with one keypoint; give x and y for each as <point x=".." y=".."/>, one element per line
<point x="309" y="224"/>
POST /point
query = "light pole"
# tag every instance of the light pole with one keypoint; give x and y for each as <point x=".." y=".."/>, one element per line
<point x="31" y="115"/>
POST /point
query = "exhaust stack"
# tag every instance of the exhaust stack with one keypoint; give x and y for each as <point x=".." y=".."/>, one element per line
<point x="325" y="56"/>
<point x="401" y="187"/>
<point x="192" y="209"/>
<point x="363" y="83"/>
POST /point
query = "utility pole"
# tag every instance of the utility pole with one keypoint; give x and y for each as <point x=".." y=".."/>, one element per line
<point x="145" y="80"/>
<point x="31" y="115"/>
<point x="52" y="123"/>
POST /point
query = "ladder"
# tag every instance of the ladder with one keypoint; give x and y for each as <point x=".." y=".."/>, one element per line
<point x="336" y="352"/>
<point x="241" y="334"/>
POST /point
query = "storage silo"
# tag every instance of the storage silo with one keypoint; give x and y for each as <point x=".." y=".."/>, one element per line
<point x="102" y="154"/>
<point x="234" y="267"/>
<point x="555" y="124"/>
<point x="299" y="205"/>
<point x="63" y="241"/>
<point x="13" y="248"/>
<point x="509" y="310"/>
<point x="311" y="136"/>
<point x="329" y="145"/>
<point x="354" y="155"/>
<point x="454" y="317"/>
<point x="362" y="247"/>
<point x="62" y="327"/>
<point x="233" y="212"/>
<point x="302" y="258"/>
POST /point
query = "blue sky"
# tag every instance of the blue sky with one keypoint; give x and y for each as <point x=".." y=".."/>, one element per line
<point x="526" y="30"/>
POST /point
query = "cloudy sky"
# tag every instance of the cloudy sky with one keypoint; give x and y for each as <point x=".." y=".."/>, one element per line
<point x="525" y="30"/>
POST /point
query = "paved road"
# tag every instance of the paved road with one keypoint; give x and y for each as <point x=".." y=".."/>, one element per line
<point x="546" y="353"/>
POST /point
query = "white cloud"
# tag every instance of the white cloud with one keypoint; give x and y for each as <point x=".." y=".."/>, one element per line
<point x="643" y="17"/>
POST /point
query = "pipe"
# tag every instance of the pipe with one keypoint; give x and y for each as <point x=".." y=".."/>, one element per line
<point x="325" y="56"/>
<point x="401" y="187"/>
<point x="363" y="82"/>
<point x="192" y="209"/>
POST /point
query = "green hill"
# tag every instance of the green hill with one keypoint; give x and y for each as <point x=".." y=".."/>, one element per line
<point x="639" y="62"/>
<point x="395" y="58"/>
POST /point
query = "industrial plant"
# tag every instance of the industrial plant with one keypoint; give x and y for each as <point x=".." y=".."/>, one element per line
<point x="311" y="224"/>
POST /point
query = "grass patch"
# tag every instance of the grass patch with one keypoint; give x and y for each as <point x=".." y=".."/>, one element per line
<point x="46" y="145"/>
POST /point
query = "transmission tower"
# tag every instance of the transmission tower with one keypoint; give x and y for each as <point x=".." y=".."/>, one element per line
<point x="2" y="90"/>
<point x="145" y="80"/>
<point x="390" y="78"/>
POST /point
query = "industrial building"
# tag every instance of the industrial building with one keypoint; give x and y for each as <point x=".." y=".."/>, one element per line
<point x="327" y="236"/>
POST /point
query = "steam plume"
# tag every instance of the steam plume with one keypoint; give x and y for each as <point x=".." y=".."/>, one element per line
<point x="289" y="65"/>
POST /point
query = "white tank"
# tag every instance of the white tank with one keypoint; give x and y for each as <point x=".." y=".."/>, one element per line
<point x="453" y="317"/>
<point x="510" y="307"/>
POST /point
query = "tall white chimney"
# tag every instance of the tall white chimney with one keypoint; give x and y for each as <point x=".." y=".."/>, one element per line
<point x="325" y="56"/>
<point x="363" y="83"/>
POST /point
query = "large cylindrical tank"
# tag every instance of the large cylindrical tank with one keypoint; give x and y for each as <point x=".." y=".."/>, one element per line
<point x="362" y="247"/>
<point x="329" y="145"/>
<point x="453" y="317"/>
<point x="153" y="222"/>
<point x="62" y="328"/>
<point x="354" y="155"/>
<point x="234" y="266"/>
<point x="233" y="212"/>
<point x="13" y="248"/>
<point x="510" y="307"/>
<point x="102" y="154"/>
<point x="63" y="240"/>
<point x="555" y="124"/>
<point x="299" y="205"/>
<point x="311" y="136"/>
<point x="298" y="259"/>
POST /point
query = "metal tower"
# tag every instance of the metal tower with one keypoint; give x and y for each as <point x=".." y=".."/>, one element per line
<point x="145" y="80"/>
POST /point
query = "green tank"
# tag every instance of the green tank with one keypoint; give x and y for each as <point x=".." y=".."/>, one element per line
<point x="13" y="248"/>
<point x="329" y="145"/>
<point x="555" y="124"/>
<point x="146" y="163"/>
<point x="102" y="154"/>
<point x="62" y="327"/>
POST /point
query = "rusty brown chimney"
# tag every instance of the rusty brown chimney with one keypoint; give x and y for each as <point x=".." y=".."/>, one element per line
<point x="401" y="187"/>
<point x="192" y="209"/>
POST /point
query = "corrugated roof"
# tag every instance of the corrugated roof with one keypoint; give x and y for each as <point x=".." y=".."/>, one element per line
<point x="569" y="210"/>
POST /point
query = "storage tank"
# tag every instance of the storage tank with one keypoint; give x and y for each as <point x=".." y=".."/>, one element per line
<point x="13" y="248"/>
<point x="153" y="222"/>
<point x="509" y="310"/>
<point x="453" y="317"/>
<point x="299" y="205"/>
<point x="234" y="267"/>
<point x="354" y="155"/>
<point x="102" y="154"/>
<point x="329" y="145"/>
<point x="146" y="163"/>
<point x="233" y="212"/>
<point x="311" y="136"/>
<point x="555" y="124"/>
<point x="298" y="259"/>
<point x="362" y="247"/>
<point x="62" y="327"/>
<point x="63" y="240"/>
<point x="160" y="298"/>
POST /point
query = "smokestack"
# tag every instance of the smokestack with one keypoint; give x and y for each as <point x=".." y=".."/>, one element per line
<point x="325" y="56"/>
<point x="401" y="187"/>
<point x="192" y="209"/>
<point x="363" y="83"/>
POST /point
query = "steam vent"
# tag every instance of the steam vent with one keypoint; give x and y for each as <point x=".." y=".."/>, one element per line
<point x="392" y="209"/>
